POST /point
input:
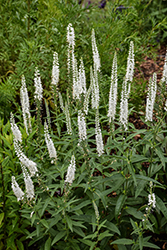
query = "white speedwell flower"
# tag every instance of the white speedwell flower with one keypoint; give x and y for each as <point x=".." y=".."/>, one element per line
<point x="24" y="160"/>
<point x="49" y="143"/>
<point x="38" y="86"/>
<point x="71" y="171"/>
<point x="17" y="190"/>
<point x="81" y="126"/>
<point x="25" y="105"/>
<point x="152" y="88"/>
<point x="16" y="131"/>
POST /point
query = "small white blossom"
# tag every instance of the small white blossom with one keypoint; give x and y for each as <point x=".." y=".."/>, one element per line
<point x="113" y="91"/>
<point x="71" y="171"/>
<point x="25" y="105"/>
<point x="38" y="86"/>
<point x="81" y="126"/>
<point x="151" y="200"/>
<point x="152" y="88"/>
<point x="55" y="70"/>
<point x="16" y="131"/>
<point x="17" y="190"/>
<point x="49" y="143"/>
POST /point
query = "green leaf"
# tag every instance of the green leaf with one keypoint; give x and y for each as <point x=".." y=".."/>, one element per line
<point x="79" y="231"/>
<point x="119" y="205"/>
<point x="20" y="245"/>
<point x="123" y="241"/>
<point x="133" y="211"/>
<point x="140" y="186"/>
<point x="81" y="205"/>
<point x="1" y="217"/>
<point x="111" y="226"/>
<point x="59" y="236"/>
<point x="141" y="242"/>
<point x="104" y="234"/>
<point x="138" y="158"/>
<point x="41" y="212"/>
<point x="47" y="244"/>
<point x="88" y="242"/>
<point x="161" y="206"/>
<point x="69" y="222"/>
<point x="143" y="177"/>
<point x="44" y="223"/>
<point x="151" y="245"/>
<point x="161" y="156"/>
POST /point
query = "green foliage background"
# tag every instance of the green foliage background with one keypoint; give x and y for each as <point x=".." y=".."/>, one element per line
<point x="30" y="31"/>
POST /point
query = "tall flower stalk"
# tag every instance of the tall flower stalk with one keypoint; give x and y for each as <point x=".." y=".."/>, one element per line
<point x="113" y="91"/>
<point x="98" y="135"/>
<point x="38" y="95"/>
<point x="25" y="106"/>
<point x="126" y="87"/>
<point x="81" y="126"/>
<point x="152" y="88"/>
<point x="16" y="131"/>
<point x="17" y="190"/>
<point x="50" y="145"/>
<point x="71" y="171"/>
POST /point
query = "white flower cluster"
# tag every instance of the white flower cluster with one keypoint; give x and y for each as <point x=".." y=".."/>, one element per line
<point x="86" y="100"/>
<point x="24" y="160"/>
<point x="25" y="105"/>
<point x="130" y="66"/>
<point x="61" y="102"/>
<point x="165" y="105"/>
<point x="71" y="44"/>
<point x="16" y="131"/>
<point x="95" y="89"/>
<point x="124" y="106"/>
<point x="99" y="139"/>
<point x="96" y="57"/>
<point x="68" y="120"/>
<point x="38" y="95"/>
<point x="17" y="190"/>
<point x="55" y="70"/>
<point x="126" y="87"/>
<point x="81" y="126"/>
<point x="28" y="184"/>
<point x="71" y="171"/>
<point x="152" y="88"/>
<point x="113" y="91"/>
<point x="164" y="74"/>
<point x="96" y="211"/>
<point x="82" y="78"/>
<point x="151" y="200"/>
<point x="49" y="143"/>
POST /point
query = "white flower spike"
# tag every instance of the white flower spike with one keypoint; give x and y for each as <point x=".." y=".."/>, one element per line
<point x="71" y="171"/>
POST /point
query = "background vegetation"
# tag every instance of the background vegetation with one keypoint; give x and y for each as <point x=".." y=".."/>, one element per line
<point x="30" y="31"/>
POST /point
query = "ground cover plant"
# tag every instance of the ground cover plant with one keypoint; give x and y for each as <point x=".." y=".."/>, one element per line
<point x="95" y="181"/>
<point x="84" y="177"/>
